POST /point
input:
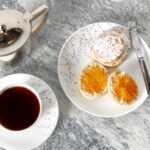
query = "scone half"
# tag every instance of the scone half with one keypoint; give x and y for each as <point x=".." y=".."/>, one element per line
<point x="122" y="88"/>
<point x="93" y="80"/>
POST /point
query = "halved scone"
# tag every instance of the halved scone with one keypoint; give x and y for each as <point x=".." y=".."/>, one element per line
<point x="110" y="48"/>
<point x="122" y="88"/>
<point x="93" y="80"/>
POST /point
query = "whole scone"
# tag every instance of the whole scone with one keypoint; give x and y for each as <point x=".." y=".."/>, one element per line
<point x="110" y="48"/>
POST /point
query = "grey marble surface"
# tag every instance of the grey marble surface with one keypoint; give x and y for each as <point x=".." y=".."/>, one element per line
<point x="77" y="130"/>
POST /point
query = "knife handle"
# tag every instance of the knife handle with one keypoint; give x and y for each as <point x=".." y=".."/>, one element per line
<point x="145" y="74"/>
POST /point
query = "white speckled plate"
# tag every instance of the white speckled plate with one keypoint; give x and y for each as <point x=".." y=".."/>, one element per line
<point x="75" y="55"/>
<point x="36" y="135"/>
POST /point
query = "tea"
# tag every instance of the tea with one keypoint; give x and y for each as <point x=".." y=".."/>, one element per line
<point x="19" y="108"/>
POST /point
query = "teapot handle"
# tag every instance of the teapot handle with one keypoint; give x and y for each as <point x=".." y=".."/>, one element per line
<point x="41" y="11"/>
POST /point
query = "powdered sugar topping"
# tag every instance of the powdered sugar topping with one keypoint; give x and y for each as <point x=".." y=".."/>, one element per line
<point x="110" y="46"/>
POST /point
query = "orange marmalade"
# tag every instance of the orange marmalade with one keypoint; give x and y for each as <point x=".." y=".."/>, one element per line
<point x="125" y="88"/>
<point x="94" y="79"/>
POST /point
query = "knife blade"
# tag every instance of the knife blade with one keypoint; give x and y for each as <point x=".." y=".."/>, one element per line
<point x="138" y="49"/>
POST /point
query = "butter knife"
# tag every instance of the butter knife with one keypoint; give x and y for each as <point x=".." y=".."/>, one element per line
<point x="138" y="49"/>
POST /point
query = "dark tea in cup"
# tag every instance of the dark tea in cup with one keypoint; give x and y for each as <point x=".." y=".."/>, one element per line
<point x="20" y="107"/>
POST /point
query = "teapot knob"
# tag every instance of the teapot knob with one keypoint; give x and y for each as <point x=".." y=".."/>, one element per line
<point x="3" y="32"/>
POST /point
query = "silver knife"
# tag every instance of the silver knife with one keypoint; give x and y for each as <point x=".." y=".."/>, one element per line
<point x="137" y="47"/>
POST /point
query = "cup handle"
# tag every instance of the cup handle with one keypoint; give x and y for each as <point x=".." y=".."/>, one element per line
<point x="41" y="11"/>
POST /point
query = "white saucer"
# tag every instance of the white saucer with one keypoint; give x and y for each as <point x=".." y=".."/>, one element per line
<point x="32" y="137"/>
<point x="75" y="55"/>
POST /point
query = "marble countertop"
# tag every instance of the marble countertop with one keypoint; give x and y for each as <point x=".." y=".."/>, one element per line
<point x="77" y="130"/>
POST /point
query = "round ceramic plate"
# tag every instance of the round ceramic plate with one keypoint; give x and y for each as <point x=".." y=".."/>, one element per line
<point x="75" y="55"/>
<point x="36" y="135"/>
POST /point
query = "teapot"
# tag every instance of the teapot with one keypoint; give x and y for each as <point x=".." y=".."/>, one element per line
<point x="16" y="29"/>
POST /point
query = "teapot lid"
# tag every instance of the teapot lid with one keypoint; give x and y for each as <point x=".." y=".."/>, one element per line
<point x="14" y="31"/>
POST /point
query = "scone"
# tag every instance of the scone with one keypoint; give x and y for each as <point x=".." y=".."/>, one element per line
<point x="110" y="48"/>
<point x="122" y="88"/>
<point x="93" y="80"/>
